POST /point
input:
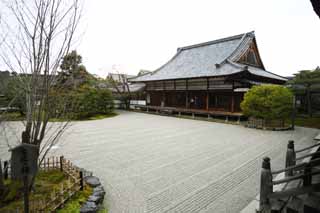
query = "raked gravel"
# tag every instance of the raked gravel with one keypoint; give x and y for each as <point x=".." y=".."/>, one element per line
<point x="152" y="163"/>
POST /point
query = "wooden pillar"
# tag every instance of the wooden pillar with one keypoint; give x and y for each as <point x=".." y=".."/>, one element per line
<point x="187" y="95"/>
<point x="207" y="101"/>
<point x="307" y="180"/>
<point x="232" y="103"/>
<point x="163" y="102"/>
<point x="215" y="100"/>
<point x="207" y="98"/>
<point x="290" y="158"/>
<point x="266" y="187"/>
<point x="232" y="98"/>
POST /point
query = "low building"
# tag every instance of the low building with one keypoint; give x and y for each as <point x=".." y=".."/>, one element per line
<point x="119" y="77"/>
<point x="208" y="77"/>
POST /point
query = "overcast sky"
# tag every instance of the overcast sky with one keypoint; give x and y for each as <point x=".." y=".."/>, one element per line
<point x="144" y="34"/>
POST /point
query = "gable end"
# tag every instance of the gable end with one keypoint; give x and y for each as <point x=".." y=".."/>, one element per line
<point x="251" y="56"/>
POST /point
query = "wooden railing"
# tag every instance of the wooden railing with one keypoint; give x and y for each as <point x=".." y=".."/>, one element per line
<point x="302" y="173"/>
<point x="74" y="183"/>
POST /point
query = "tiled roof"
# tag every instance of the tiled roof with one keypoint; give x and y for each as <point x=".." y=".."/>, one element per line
<point x="201" y="60"/>
<point x="136" y="87"/>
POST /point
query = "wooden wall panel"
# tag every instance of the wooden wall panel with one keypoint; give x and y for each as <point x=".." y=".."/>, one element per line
<point x="169" y="85"/>
<point x="158" y="85"/>
<point x="219" y="83"/>
<point x="197" y="84"/>
<point x="149" y="86"/>
<point x="181" y="85"/>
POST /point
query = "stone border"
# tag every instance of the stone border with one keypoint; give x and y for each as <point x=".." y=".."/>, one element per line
<point x="95" y="200"/>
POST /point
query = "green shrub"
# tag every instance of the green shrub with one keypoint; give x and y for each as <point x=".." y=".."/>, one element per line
<point x="80" y="103"/>
<point x="268" y="102"/>
<point x="91" y="101"/>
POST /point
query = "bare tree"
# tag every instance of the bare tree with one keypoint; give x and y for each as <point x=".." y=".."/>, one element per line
<point x="121" y="86"/>
<point x="35" y="36"/>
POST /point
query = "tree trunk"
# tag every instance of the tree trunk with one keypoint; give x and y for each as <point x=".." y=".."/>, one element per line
<point x="1" y="179"/>
<point x="316" y="6"/>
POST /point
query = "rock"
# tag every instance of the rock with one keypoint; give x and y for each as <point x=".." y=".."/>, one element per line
<point x="89" y="207"/>
<point x="92" y="181"/>
<point x="95" y="199"/>
<point x="99" y="191"/>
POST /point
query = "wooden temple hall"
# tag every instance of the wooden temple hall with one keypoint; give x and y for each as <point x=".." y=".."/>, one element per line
<point x="209" y="78"/>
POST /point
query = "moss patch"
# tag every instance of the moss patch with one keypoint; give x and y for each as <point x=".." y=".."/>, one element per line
<point x="11" y="116"/>
<point x="103" y="116"/>
<point x="313" y="122"/>
<point x="45" y="183"/>
<point x="95" y="117"/>
<point x="74" y="204"/>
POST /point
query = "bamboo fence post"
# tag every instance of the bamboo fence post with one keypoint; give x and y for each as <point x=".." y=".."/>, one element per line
<point x="61" y="163"/>
<point x="53" y="195"/>
<point x="69" y="187"/>
<point x="53" y="162"/>
<point x="62" y="193"/>
<point x="68" y="164"/>
<point x="81" y="180"/>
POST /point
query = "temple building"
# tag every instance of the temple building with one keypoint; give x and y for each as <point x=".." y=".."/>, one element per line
<point x="210" y="77"/>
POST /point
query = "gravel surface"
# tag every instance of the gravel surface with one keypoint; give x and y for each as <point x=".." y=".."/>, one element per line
<point x="152" y="163"/>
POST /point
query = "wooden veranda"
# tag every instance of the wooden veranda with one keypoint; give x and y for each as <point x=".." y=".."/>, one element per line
<point x="193" y="112"/>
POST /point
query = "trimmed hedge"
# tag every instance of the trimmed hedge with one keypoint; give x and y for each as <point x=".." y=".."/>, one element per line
<point x="268" y="102"/>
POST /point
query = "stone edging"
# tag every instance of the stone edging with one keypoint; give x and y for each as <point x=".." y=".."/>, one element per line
<point x="95" y="200"/>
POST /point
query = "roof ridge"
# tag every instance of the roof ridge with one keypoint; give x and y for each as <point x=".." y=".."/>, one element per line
<point x="229" y="38"/>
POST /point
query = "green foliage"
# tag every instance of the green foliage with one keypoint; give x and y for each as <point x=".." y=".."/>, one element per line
<point x="306" y="77"/>
<point x="91" y="101"/>
<point x="73" y="72"/>
<point x="11" y="116"/>
<point x="310" y="80"/>
<point x="311" y="122"/>
<point x="46" y="182"/>
<point x="53" y="176"/>
<point x="268" y="102"/>
<point x="102" y="116"/>
<point x="14" y="191"/>
<point x="71" y="62"/>
<point x="14" y="94"/>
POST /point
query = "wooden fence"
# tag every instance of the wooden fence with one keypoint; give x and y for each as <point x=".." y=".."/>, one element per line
<point x="75" y="182"/>
<point x="266" y="124"/>
<point x="294" y="180"/>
